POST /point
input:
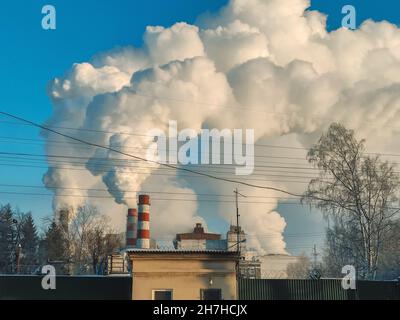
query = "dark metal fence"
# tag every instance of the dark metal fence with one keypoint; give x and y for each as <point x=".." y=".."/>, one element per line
<point x="120" y="287"/>
<point x="323" y="289"/>
<point x="67" y="287"/>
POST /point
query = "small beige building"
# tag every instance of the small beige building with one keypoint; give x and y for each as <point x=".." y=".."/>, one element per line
<point x="183" y="274"/>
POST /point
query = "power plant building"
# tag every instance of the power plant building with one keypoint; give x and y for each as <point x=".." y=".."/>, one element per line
<point x="202" y="264"/>
<point x="199" y="240"/>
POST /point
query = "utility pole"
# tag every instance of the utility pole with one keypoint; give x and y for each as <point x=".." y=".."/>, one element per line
<point x="315" y="255"/>
<point x="237" y="194"/>
<point x="315" y="272"/>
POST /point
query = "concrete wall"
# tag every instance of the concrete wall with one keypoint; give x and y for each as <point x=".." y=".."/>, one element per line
<point x="186" y="275"/>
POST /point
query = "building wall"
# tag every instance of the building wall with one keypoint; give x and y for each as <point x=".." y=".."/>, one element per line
<point x="192" y="244"/>
<point x="185" y="275"/>
<point x="201" y="244"/>
<point x="274" y="266"/>
<point x="232" y="238"/>
<point x="250" y="269"/>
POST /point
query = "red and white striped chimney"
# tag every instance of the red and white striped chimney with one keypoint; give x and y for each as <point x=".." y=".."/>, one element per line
<point x="143" y="231"/>
<point x="131" y="228"/>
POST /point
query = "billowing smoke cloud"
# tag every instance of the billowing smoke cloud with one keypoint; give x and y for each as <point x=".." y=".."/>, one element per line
<point x="263" y="64"/>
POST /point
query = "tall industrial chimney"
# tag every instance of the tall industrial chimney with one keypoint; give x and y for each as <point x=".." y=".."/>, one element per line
<point x="131" y="228"/>
<point x="143" y="231"/>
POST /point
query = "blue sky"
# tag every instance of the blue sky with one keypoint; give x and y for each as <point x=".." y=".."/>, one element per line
<point x="31" y="56"/>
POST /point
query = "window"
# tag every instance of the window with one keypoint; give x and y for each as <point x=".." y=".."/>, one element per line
<point x="211" y="294"/>
<point x="162" y="294"/>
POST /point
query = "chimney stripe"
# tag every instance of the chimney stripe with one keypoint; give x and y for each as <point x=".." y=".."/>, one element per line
<point x="131" y="227"/>
<point x="131" y="243"/>
<point x="144" y="199"/>
<point x="145" y="216"/>
<point x="143" y="208"/>
<point x="130" y="234"/>
<point x="143" y="243"/>
<point x="143" y="232"/>
<point x="144" y="225"/>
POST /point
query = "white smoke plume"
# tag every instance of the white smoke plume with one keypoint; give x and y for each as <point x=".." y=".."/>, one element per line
<point x="270" y="65"/>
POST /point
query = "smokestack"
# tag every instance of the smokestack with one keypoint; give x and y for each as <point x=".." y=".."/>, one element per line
<point x="143" y="230"/>
<point x="131" y="228"/>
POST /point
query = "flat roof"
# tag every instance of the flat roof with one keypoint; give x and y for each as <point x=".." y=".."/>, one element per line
<point x="179" y="251"/>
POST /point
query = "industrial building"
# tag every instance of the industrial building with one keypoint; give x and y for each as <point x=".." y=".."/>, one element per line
<point x="201" y="264"/>
<point x="274" y="266"/>
<point x="199" y="267"/>
<point x="183" y="274"/>
<point x="199" y="240"/>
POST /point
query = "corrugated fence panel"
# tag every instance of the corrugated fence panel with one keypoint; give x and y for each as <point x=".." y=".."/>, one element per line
<point x="323" y="289"/>
<point x="368" y="290"/>
<point x="19" y="287"/>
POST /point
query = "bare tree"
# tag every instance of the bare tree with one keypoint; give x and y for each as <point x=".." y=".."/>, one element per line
<point x="93" y="238"/>
<point x="389" y="267"/>
<point x="79" y="239"/>
<point x="300" y="269"/>
<point x="359" y="193"/>
<point x="102" y="242"/>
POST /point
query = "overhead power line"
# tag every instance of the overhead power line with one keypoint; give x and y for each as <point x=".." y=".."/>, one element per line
<point x="126" y="147"/>
<point x="135" y="191"/>
<point x="146" y="160"/>
<point x="286" y="165"/>
<point x="197" y="175"/>
<point x="144" y="135"/>
<point x="110" y="165"/>
<point x="138" y="134"/>
<point x="134" y="198"/>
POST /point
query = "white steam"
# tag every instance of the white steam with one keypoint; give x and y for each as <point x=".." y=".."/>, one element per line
<point x="263" y="64"/>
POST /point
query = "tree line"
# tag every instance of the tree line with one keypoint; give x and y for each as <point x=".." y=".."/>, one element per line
<point x="358" y="193"/>
<point x="74" y="242"/>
